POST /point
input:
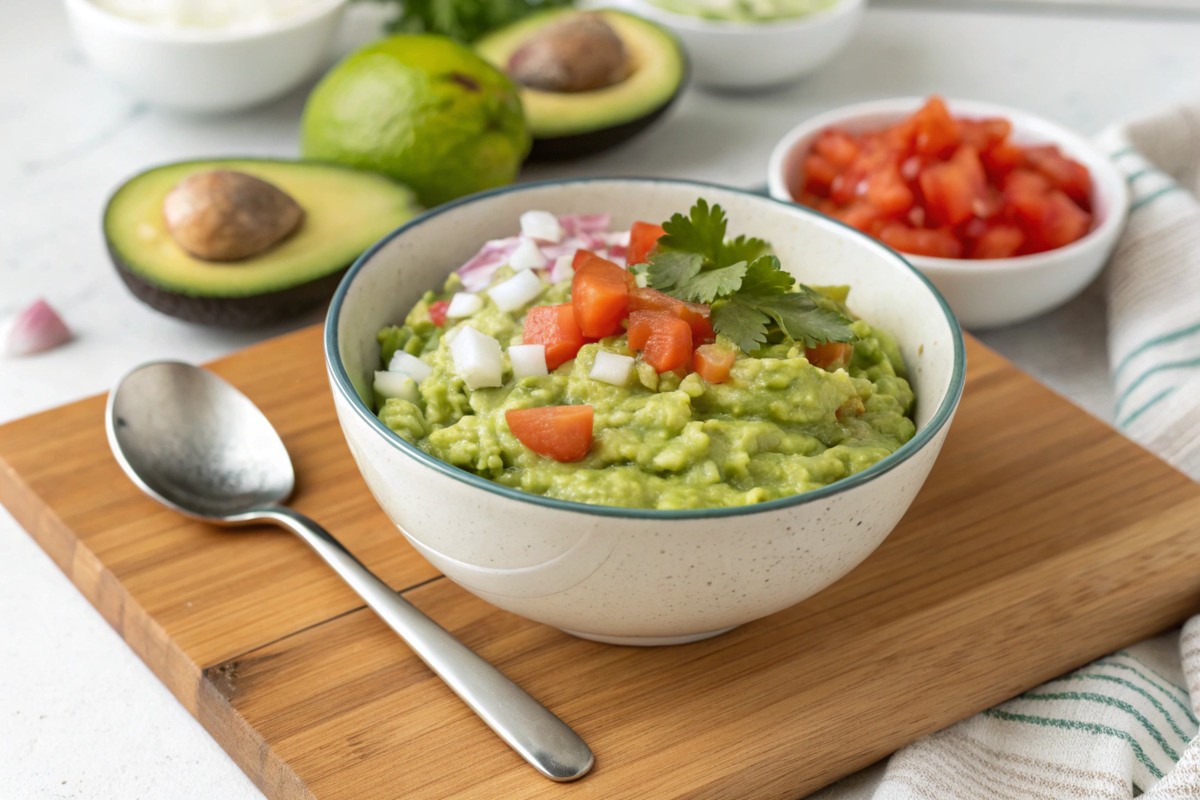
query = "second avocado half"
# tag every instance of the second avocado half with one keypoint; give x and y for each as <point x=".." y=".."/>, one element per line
<point x="575" y="119"/>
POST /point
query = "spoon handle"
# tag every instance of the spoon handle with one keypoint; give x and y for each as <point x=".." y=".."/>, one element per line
<point x="540" y="737"/>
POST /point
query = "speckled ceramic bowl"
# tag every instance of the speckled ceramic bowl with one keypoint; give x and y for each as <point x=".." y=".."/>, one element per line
<point x="620" y="575"/>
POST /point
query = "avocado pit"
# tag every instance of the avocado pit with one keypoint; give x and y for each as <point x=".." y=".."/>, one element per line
<point x="224" y="215"/>
<point x="581" y="53"/>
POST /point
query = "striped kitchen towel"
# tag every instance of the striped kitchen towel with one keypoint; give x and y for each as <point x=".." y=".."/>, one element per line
<point x="1126" y="725"/>
<point x="1154" y="287"/>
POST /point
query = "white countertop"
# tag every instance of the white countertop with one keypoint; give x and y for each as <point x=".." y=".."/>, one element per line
<point x="80" y="716"/>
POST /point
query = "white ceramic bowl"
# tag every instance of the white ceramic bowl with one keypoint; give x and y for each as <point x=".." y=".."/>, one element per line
<point x="622" y="575"/>
<point x="987" y="293"/>
<point x="753" y="55"/>
<point x="206" y="70"/>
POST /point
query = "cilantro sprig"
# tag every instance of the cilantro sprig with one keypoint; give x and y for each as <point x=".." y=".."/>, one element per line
<point x="747" y="288"/>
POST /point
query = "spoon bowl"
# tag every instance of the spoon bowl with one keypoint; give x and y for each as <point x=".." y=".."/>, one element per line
<point x="199" y="446"/>
<point x="196" y="446"/>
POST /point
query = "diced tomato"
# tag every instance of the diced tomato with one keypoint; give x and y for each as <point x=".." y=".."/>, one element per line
<point x="1060" y="222"/>
<point x="1024" y="191"/>
<point x="888" y="192"/>
<point x="901" y="136"/>
<point x="953" y="188"/>
<point x="1001" y="240"/>
<point x="836" y="146"/>
<point x="713" y="362"/>
<point x="861" y="215"/>
<point x="984" y="134"/>
<point x="1063" y="173"/>
<point x="696" y="315"/>
<point x="563" y="433"/>
<point x="600" y="294"/>
<point x="582" y="257"/>
<point x="664" y="339"/>
<point x="830" y="356"/>
<point x="938" y="243"/>
<point x="553" y="327"/>
<point x="437" y="312"/>
<point x="642" y="238"/>
<point x="818" y="174"/>
<point x="937" y="131"/>
<point x="1000" y="160"/>
<point x="935" y="185"/>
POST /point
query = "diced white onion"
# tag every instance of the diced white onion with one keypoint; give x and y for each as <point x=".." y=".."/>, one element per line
<point x="612" y="368"/>
<point x="564" y="269"/>
<point x="541" y="225"/>
<point x="528" y="360"/>
<point x="477" y="359"/>
<point x="449" y="336"/>
<point x="410" y="365"/>
<point x="527" y="256"/>
<point x="396" y="384"/>
<point x="519" y="290"/>
<point x="463" y="304"/>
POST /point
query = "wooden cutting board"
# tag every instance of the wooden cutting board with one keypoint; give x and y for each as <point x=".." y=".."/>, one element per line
<point x="1042" y="540"/>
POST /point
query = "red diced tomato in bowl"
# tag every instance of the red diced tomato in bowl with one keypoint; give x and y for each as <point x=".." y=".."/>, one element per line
<point x="939" y="186"/>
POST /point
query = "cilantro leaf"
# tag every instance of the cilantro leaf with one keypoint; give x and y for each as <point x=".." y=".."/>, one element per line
<point x="743" y="249"/>
<point x="750" y="293"/>
<point x="701" y="232"/>
<point x="708" y="286"/>
<point x="766" y="278"/>
<point x="804" y="320"/>
<point x="744" y="325"/>
<point x="671" y="271"/>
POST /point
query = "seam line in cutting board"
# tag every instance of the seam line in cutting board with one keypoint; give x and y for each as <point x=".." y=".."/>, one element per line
<point x="360" y="607"/>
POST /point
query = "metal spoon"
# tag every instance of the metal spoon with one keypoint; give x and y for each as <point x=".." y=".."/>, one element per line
<point x="196" y="444"/>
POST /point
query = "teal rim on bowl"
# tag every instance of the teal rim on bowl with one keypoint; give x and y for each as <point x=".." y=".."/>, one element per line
<point x="346" y="388"/>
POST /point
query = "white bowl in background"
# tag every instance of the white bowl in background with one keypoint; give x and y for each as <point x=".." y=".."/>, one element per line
<point x="623" y="575"/>
<point x="755" y="55"/>
<point x="987" y="293"/>
<point x="206" y="70"/>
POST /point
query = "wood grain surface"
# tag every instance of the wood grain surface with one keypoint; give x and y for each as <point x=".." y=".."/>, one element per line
<point x="1042" y="540"/>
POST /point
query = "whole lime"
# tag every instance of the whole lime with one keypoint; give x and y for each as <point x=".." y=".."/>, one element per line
<point x="424" y="110"/>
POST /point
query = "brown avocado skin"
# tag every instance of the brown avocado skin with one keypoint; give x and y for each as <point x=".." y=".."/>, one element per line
<point x="581" y="145"/>
<point x="255" y="311"/>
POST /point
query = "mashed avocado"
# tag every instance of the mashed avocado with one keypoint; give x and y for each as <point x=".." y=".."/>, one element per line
<point x="779" y="426"/>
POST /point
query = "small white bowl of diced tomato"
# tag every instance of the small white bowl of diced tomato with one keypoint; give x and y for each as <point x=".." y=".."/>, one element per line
<point x="1008" y="214"/>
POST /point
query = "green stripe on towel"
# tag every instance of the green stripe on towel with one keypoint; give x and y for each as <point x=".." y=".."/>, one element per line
<point x="1150" y="198"/>
<point x="1070" y="724"/>
<point x="1108" y="661"/>
<point x="1157" y="368"/>
<point x="1111" y="702"/>
<point x="1157" y="340"/>
<point x="1149" y="404"/>
<point x="1095" y="676"/>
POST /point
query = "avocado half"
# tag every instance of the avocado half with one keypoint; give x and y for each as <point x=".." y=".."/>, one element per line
<point x="346" y="211"/>
<point x="572" y="124"/>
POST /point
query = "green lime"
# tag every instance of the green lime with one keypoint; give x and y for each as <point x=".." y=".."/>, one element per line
<point x="424" y="110"/>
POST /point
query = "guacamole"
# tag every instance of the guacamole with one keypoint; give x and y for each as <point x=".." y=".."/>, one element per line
<point x="547" y="365"/>
<point x="744" y="10"/>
